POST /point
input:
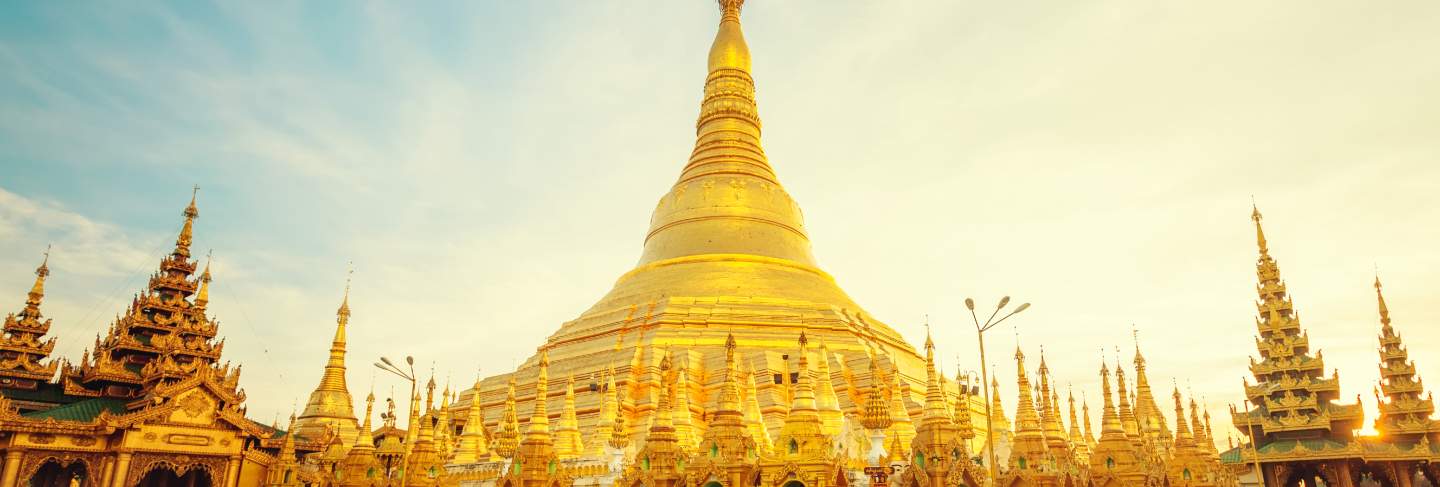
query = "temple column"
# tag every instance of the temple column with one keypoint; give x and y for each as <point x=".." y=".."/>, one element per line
<point x="232" y="472"/>
<point x="1403" y="474"/>
<point x="1269" y="475"/>
<point x="122" y="467"/>
<point x="107" y="475"/>
<point x="12" y="468"/>
<point x="1342" y="470"/>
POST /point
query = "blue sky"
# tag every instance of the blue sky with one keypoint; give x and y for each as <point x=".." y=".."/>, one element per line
<point x="490" y="167"/>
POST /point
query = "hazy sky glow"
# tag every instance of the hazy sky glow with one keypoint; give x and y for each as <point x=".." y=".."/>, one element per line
<point x="491" y="166"/>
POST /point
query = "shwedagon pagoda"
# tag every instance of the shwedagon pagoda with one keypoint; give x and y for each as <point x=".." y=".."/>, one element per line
<point x="726" y="358"/>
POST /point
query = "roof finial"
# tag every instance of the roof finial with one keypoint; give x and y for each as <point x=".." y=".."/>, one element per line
<point x="1380" y="298"/>
<point x="344" y="312"/>
<point x="1259" y="231"/>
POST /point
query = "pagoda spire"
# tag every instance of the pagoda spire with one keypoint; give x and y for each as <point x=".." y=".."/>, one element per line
<point x="539" y="427"/>
<point x="754" y="420"/>
<point x="1147" y="412"/>
<point x="803" y="434"/>
<point x="1115" y="452"/>
<point x="1078" y="443"/>
<point x="1027" y="420"/>
<point x="1402" y="411"/>
<point x="1127" y="415"/>
<point x="329" y="405"/>
<point x="727" y="441"/>
<point x="183" y="241"/>
<point x="1089" y="436"/>
<point x="23" y="340"/>
<point x="202" y="296"/>
<point x="1286" y="369"/>
<point x="508" y="438"/>
<point x="997" y="406"/>
<point x="1183" y="438"/>
<point x="902" y="428"/>
<point x="609" y="404"/>
<point x="1055" y="437"/>
<point x="364" y="441"/>
<point x="473" y="446"/>
<point x="684" y="419"/>
<point x="825" y="397"/>
<point x="568" y="443"/>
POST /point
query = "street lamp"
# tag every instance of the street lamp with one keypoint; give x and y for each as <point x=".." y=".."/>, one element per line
<point x="408" y="374"/>
<point x="970" y="377"/>
<point x="985" y="373"/>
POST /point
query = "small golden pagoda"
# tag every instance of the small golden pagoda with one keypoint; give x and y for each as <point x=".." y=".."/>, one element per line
<point x="1404" y="414"/>
<point x="660" y="462"/>
<point x="803" y="452"/>
<point x="1028" y="452"/>
<point x="24" y="350"/>
<point x="536" y="463"/>
<point x="938" y="455"/>
<point x="727" y="453"/>
<point x="424" y="465"/>
<point x="329" y="408"/>
<point x="1114" y="462"/>
<point x="1189" y="465"/>
<point x="360" y="467"/>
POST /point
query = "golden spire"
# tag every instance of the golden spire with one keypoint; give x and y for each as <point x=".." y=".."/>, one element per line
<point x="684" y="419"/>
<point x="934" y="397"/>
<point x="1183" y="438"/>
<point x="664" y="415"/>
<point x="803" y="433"/>
<point x="1379" y="298"/>
<point x="539" y="419"/>
<point x="1049" y="409"/>
<point x="1078" y="442"/>
<point x="202" y="297"/>
<point x="508" y="438"/>
<point x="473" y="447"/>
<point x="825" y="399"/>
<point x="1027" y="421"/>
<point x="37" y="291"/>
<point x="754" y="421"/>
<point x="329" y="405"/>
<point x="364" y="441"/>
<point x="182" y="243"/>
<point x="609" y="413"/>
<point x="1109" y="419"/>
<point x="1197" y="427"/>
<point x="729" y="388"/>
<point x="287" y="449"/>
<point x="568" y="443"/>
<point x="876" y="414"/>
<point x="1127" y="415"/>
<point x="901" y="426"/>
<point x="997" y="406"/>
<point x="1089" y="436"/>
<point x="1259" y="230"/>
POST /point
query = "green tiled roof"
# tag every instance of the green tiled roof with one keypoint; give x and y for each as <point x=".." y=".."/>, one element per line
<point x="51" y="393"/>
<point x="1231" y="456"/>
<point x="81" y="411"/>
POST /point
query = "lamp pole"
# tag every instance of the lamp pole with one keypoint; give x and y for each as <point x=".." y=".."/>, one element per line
<point x="969" y="375"/>
<point x="408" y="374"/>
<point x="980" y="330"/>
<point x="1254" y="446"/>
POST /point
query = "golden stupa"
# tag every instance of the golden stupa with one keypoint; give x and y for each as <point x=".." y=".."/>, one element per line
<point x="727" y="252"/>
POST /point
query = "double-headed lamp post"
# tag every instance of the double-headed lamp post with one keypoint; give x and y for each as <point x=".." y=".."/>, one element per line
<point x="980" y="330"/>
<point x="408" y="374"/>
